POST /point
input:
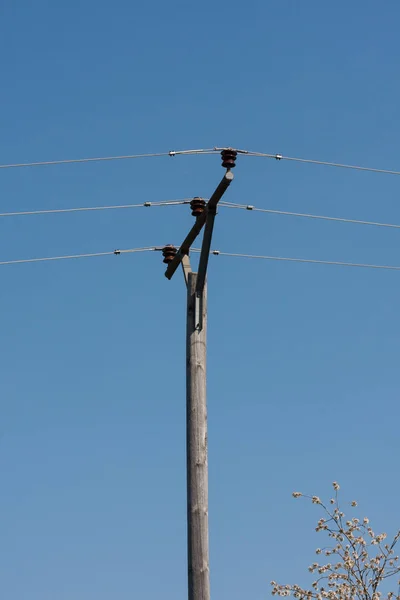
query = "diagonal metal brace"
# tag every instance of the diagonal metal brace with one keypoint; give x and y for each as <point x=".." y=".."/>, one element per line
<point x="205" y="250"/>
<point x="199" y="224"/>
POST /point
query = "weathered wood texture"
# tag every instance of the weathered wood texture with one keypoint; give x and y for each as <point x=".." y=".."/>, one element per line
<point x="197" y="459"/>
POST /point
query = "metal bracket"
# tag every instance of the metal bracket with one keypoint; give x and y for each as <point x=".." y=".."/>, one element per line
<point x="198" y="311"/>
<point x="186" y="268"/>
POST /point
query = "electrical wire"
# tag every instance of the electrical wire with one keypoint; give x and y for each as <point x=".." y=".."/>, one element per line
<point x="321" y="162"/>
<point x="250" y="208"/>
<point x="94" y="208"/>
<point x="307" y="260"/>
<point x="247" y="207"/>
<point x="196" y="151"/>
<point x="89" y="255"/>
<point x="197" y="250"/>
<point x="107" y="158"/>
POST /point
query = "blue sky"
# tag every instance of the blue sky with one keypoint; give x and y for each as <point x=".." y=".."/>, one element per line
<point x="303" y="359"/>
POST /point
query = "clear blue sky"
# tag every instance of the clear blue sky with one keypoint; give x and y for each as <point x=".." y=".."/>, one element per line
<point x="303" y="359"/>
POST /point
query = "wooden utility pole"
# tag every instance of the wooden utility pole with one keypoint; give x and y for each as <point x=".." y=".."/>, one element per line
<point x="196" y="403"/>
<point x="196" y="443"/>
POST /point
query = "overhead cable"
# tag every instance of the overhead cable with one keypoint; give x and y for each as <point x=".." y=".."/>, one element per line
<point x="247" y="207"/>
<point x="197" y="250"/>
<point x="321" y="162"/>
<point x="93" y="208"/>
<point x="307" y="260"/>
<point x="197" y="151"/>
<point x="70" y="256"/>
<point x="106" y="158"/>
<point x="250" y="208"/>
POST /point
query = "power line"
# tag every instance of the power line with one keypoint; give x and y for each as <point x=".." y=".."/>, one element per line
<point x="107" y="158"/>
<point x="214" y="150"/>
<point x="249" y="207"/>
<point x="307" y="260"/>
<point x="197" y="250"/>
<point x="89" y="255"/>
<point x="321" y="162"/>
<point x="94" y="208"/>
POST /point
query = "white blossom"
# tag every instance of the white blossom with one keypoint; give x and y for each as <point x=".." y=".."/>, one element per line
<point x="361" y="566"/>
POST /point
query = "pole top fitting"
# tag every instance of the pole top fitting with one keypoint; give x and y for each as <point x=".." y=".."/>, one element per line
<point x="169" y="253"/>
<point x="197" y="205"/>
<point x="228" y="156"/>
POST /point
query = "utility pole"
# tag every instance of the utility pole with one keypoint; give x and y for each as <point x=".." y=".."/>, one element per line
<point x="196" y="445"/>
<point x="196" y="401"/>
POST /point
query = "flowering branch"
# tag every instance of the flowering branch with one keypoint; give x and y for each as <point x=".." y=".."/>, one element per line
<point x="362" y="561"/>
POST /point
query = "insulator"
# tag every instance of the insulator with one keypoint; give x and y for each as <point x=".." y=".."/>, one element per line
<point x="197" y="205"/>
<point x="228" y="158"/>
<point x="169" y="253"/>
